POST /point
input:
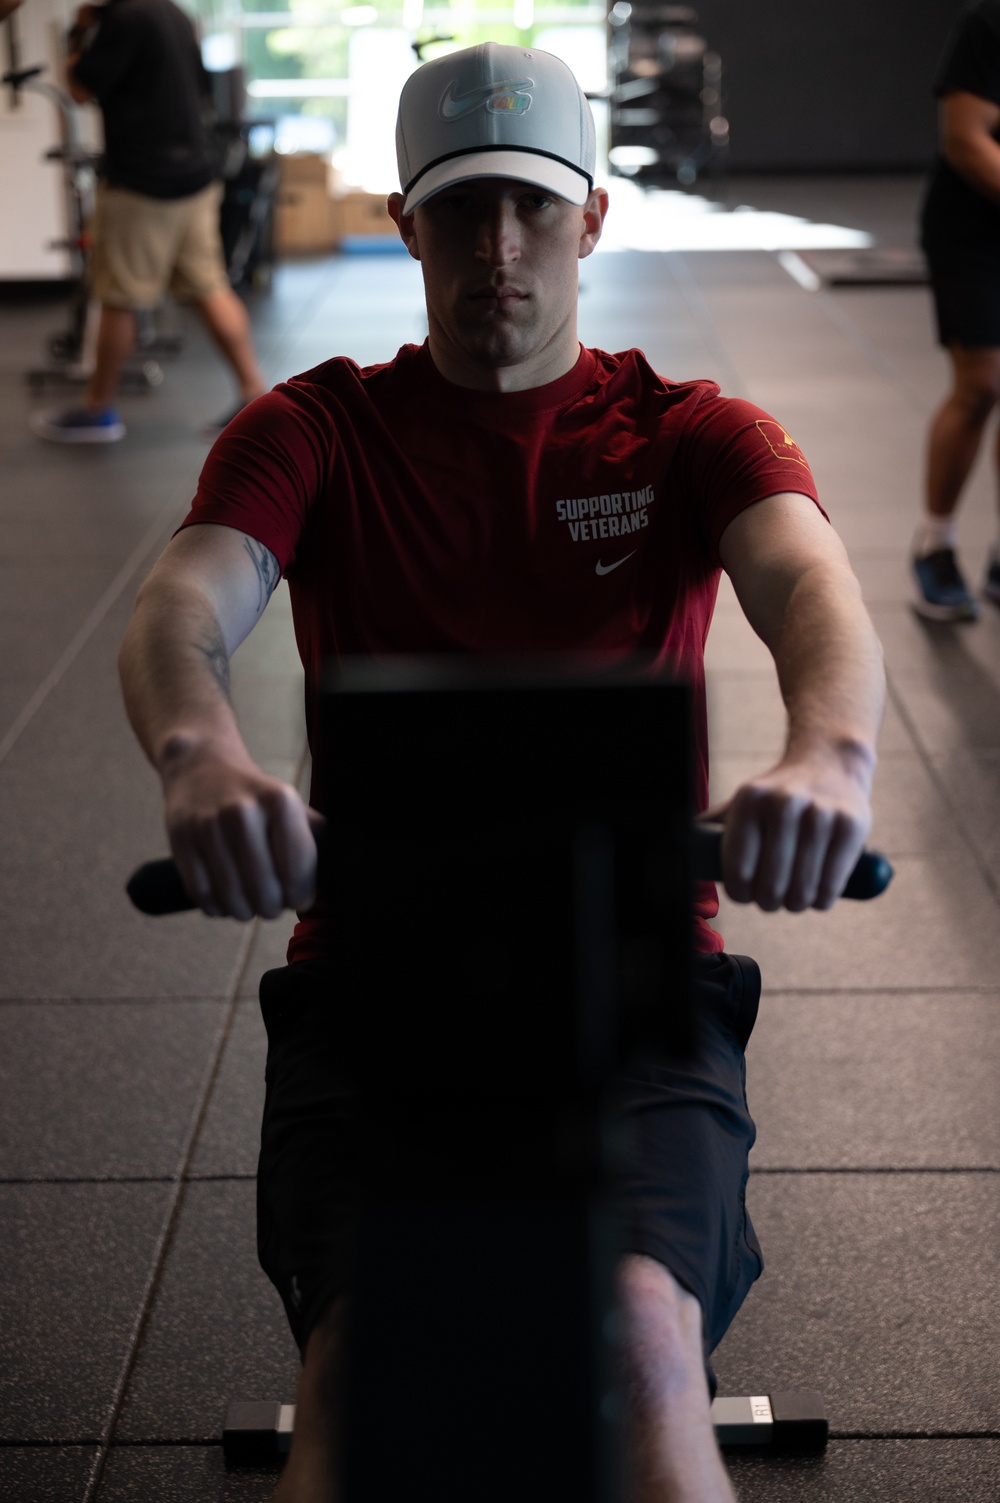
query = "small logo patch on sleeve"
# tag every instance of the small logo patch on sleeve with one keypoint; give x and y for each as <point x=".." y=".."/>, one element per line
<point x="782" y="446"/>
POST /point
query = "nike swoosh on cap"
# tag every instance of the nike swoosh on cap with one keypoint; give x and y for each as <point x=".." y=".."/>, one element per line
<point x="607" y="568"/>
<point x="454" y="106"/>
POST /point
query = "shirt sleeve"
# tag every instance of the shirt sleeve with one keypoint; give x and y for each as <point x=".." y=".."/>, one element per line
<point x="266" y="469"/>
<point x="109" y="57"/>
<point x="972" y="58"/>
<point x="732" y="455"/>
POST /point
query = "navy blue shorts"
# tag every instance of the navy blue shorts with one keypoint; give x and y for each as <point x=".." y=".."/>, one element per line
<point x="680" y="1193"/>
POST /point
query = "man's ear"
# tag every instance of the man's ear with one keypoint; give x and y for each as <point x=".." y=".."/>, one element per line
<point x="594" y="211"/>
<point x="403" y="223"/>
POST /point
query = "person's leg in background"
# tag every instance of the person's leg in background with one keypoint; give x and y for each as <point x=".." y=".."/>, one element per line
<point x="142" y="246"/>
<point x="991" y="581"/>
<point x="116" y="335"/>
<point x="200" y="278"/>
<point x="954" y="440"/>
<point x="135" y="242"/>
<point x="228" y="322"/>
<point x="965" y="282"/>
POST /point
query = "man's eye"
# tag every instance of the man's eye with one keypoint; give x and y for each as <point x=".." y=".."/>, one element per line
<point x="536" y="200"/>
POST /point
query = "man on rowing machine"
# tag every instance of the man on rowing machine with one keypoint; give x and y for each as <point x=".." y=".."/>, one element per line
<point x="500" y="489"/>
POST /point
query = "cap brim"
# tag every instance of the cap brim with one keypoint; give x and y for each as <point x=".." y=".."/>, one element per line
<point x="523" y="166"/>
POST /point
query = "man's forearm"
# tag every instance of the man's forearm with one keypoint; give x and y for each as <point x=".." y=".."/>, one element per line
<point x="175" y="677"/>
<point x="977" y="160"/>
<point x="796" y="586"/>
<point x="241" y="838"/>
<point x="968" y="128"/>
<point x="830" y="670"/>
<point x="794" y="831"/>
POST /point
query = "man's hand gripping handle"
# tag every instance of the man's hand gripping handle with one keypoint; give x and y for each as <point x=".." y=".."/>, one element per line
<point x="156" y="888"/>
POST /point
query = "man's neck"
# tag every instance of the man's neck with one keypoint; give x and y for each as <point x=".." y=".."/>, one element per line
<point x="462" y="370"/>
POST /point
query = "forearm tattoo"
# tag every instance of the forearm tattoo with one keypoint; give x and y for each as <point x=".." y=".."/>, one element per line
<point x="213" y="649"/>
<point x="266" y="565"/>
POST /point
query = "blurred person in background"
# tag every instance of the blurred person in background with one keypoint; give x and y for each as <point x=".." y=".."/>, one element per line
<point x="960" y="234"/>
<point x="156" y="222"/>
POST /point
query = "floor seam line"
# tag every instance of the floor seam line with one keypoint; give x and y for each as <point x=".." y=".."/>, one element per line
<point x="148" y="542"/>
<point x="915" y="1434"/>
<point x="166" y="1238"/>
<point x="120" y="1179"/>
<point x="961" y="826"/>
<point x="873" y="1169"/>
<point x="181" y="1180"/>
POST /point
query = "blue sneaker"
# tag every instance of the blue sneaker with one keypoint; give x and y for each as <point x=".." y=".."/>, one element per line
<point x="75" y="425"/>
<point x="942" y="594"/>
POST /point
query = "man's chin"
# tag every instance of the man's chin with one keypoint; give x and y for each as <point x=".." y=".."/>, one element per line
<point x="500" y="343"/>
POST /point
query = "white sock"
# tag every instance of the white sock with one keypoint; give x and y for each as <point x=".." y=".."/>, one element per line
<point x="933" y="534"/>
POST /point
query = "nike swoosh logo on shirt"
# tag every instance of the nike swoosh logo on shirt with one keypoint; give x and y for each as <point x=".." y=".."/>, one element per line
<point x="454" y="106"/>
<point x="607" y="568"/>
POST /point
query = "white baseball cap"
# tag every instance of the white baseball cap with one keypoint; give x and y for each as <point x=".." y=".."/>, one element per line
<point x="493" y="111"/>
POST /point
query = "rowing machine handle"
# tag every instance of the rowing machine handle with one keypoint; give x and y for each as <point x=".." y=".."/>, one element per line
<point x="871" y="875"/>
<point x="156" y="888"/>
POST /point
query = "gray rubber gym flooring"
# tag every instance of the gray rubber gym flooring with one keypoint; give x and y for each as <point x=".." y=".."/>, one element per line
<point x="131" y="1305"/>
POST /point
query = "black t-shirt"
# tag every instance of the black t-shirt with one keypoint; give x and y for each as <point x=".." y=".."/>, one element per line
<point x="956" y="216"/>
<point x="144" y="69"/>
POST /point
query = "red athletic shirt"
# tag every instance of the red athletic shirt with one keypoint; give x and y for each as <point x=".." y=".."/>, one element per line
<point x="414" y="516"/>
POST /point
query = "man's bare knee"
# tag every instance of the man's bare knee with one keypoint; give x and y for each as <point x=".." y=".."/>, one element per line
<point x="977" y="382"/>
<point x="644" y="1285"/>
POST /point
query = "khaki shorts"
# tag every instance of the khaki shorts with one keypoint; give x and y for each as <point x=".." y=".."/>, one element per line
<point x="144" y="247"/>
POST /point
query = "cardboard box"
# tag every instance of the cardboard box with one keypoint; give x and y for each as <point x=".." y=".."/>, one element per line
<point x="300" y="169"/>
<point x="358" y="213"/>
<point x="304" y="219"/>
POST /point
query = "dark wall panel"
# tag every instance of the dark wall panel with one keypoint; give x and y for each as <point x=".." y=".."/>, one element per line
<point x="814" y="84"/>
